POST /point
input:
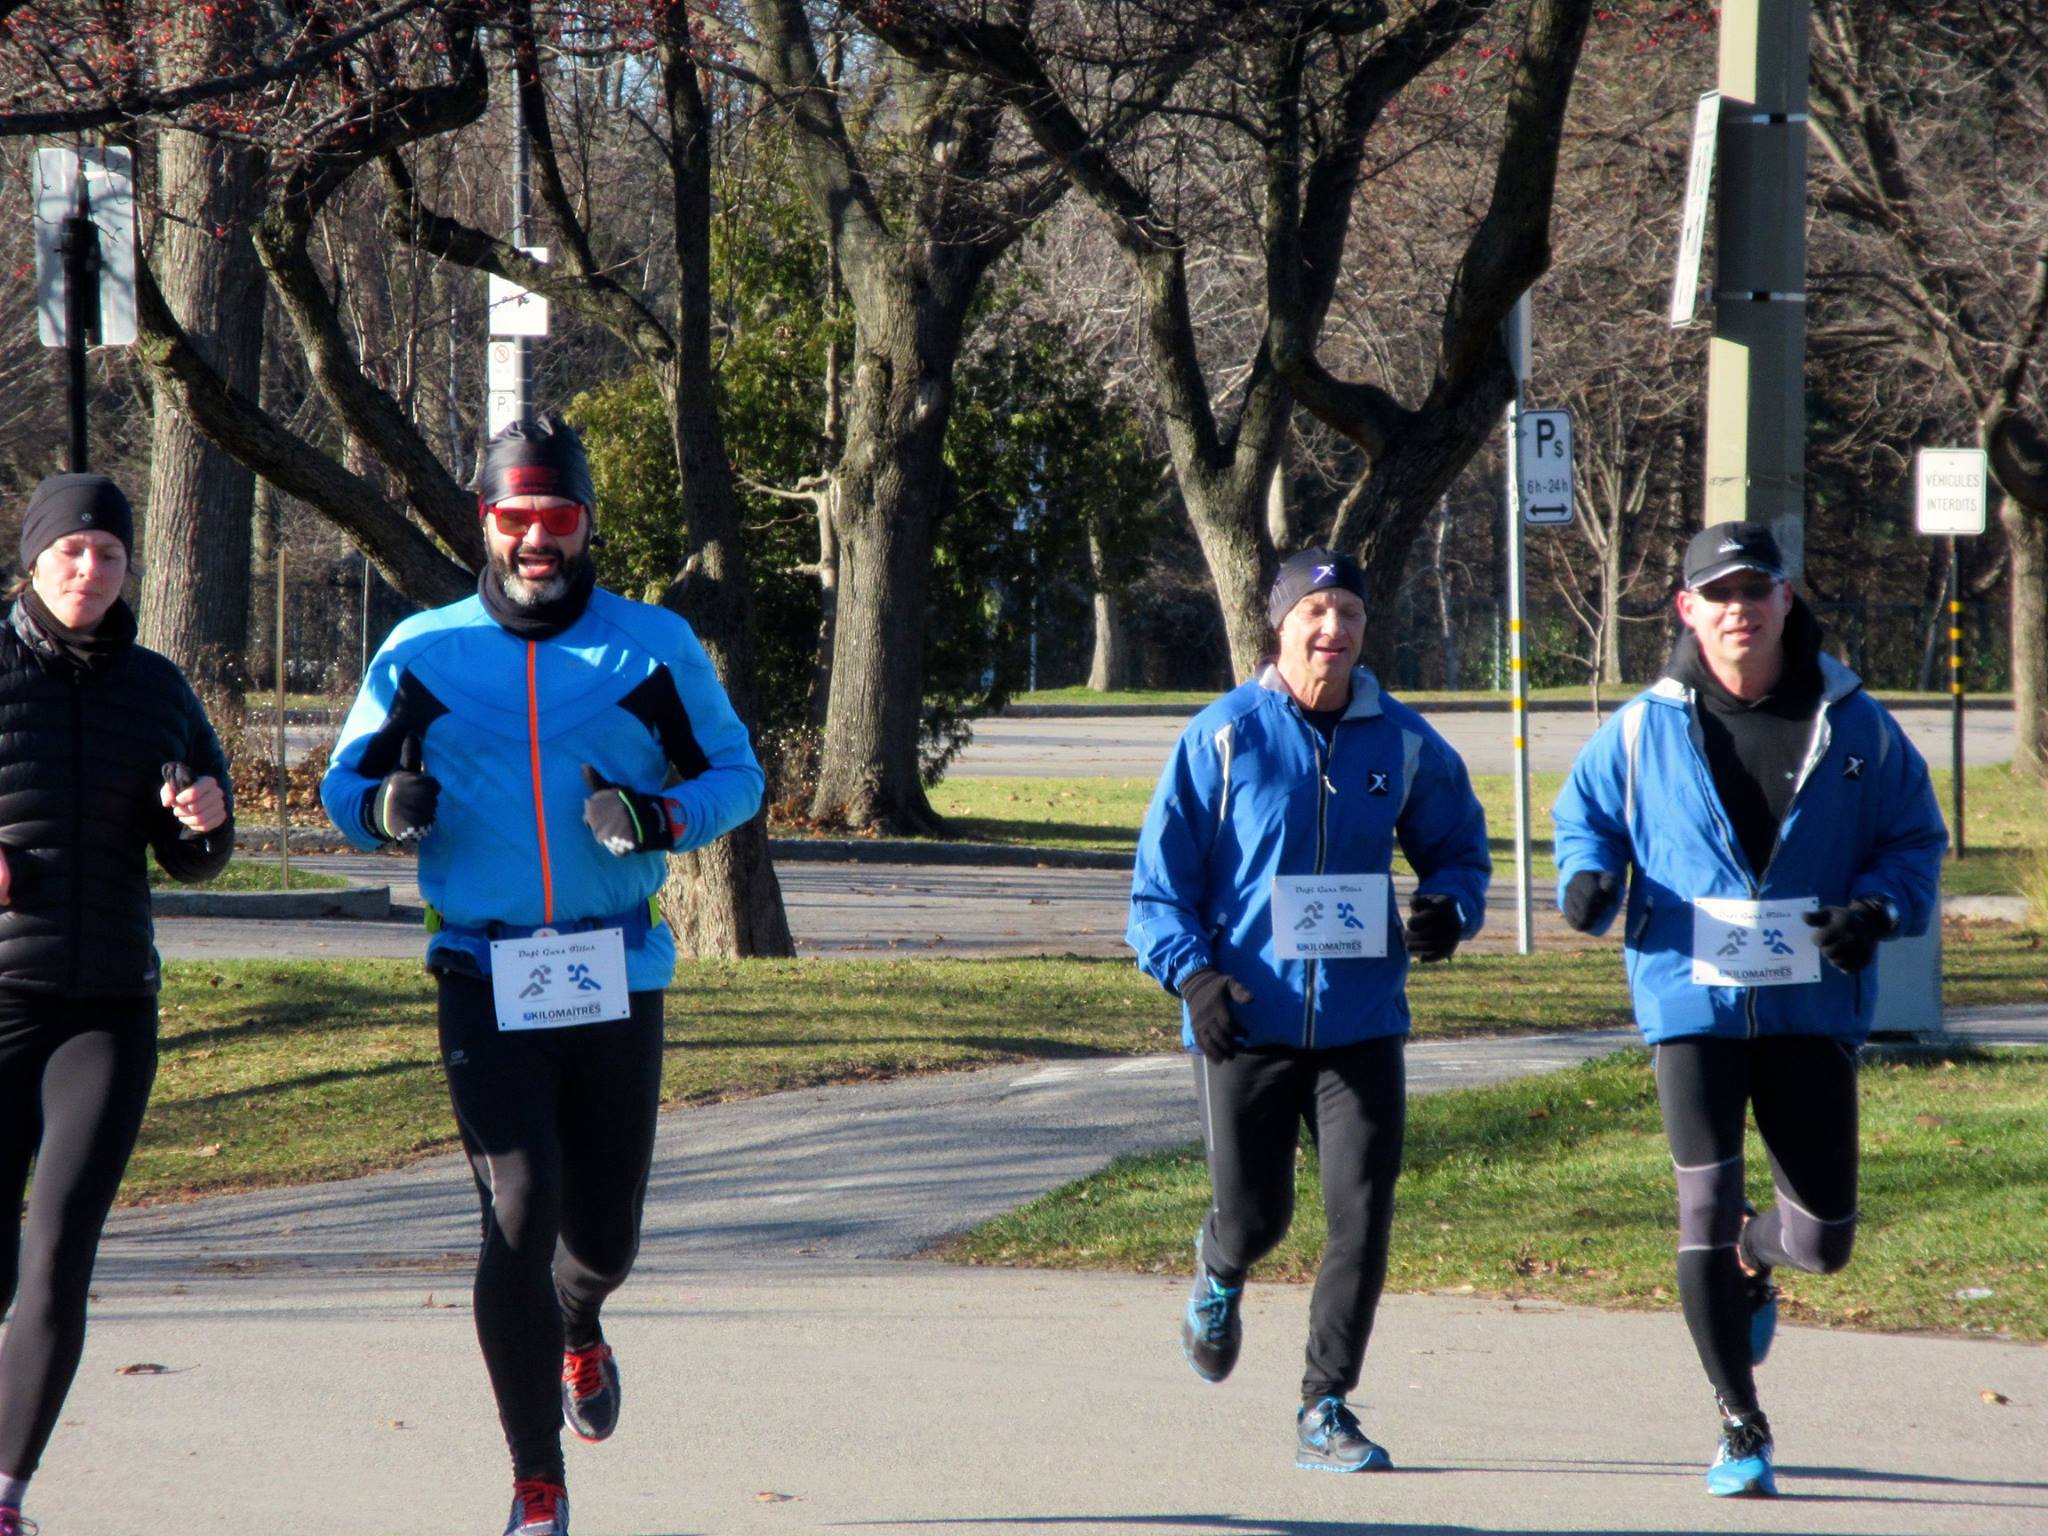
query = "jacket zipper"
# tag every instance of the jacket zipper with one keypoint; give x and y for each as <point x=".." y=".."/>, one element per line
<point x="1324" y="790"/>
<point x="77" y="826"/>
<point x="540" y="816"/>
<point x="1736" y="856"/>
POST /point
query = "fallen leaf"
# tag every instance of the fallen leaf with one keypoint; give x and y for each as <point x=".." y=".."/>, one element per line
<point x="1540" y="1112"/>
<point x="211" y="1149"/>
<point x="1995" y="1399"/>
<point x="144" y="1368"/>
<point x="764" y="1497"/>
<point x="1930" y="1121"/>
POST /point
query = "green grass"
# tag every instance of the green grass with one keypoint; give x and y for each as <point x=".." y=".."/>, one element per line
<point x="247" y="874"/>
<point x="1560" y="1187"/>
<point x="288" y="1072"/>
<point x="2005" y="817"/>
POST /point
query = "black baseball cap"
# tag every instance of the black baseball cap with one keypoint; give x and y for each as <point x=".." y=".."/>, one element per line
<point x="1722" y="549"/>
<point x="1312" y="570"/>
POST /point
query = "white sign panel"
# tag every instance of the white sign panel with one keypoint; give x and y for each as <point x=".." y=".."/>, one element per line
<point x="1692" y="233"/>
<point x="501" y="409"/>
<point x="556" y="980"/>
<point x="1740" y="943"/>
<point x="1949" y="487"/>
<point x="110" y="191"/>
<point x="1330" y="917"/>
<point x="515" y="311"/>
<point x="1543" y="466"/>
<point x="501" y="365"/>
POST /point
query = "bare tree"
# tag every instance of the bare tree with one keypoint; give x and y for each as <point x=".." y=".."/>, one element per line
<point x="1930" y="122"/>
<point x="1300" y="90"/>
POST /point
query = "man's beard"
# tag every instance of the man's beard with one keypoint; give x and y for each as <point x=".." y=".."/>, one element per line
<point x="533" y="594"/>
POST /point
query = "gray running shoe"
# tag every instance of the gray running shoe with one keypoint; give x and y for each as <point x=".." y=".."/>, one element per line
<point x="590" y="1391"/>
<point x="1210" y="1329"/>
<point x="538" y="1509"/>
<point x="1327" y="1438"/>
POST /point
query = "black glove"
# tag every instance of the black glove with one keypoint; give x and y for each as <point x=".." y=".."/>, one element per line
<point x="1590" y="897"/>
<point x="623" y="819"/>
<point x="402" y="808"/>
<point x="1434" y="926"/>
<point x="179" y="777"/>
<point x="1209" y="994"/>
<point x="1849" y="935"/>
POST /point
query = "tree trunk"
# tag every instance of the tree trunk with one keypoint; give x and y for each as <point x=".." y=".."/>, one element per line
<point x="196" y="532"/>
<point x="2028" y="532"/>
<point x="1609" y="638"/>
<point x="1447" y="637"/>
<point x="1110" y="666"/>
<point x="1228" y="513"/>
<point x="894" y="488"/>
<point x="723" y="899"/>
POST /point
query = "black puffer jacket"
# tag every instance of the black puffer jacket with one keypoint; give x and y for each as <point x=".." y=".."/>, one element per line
<point x="81" y="775"/>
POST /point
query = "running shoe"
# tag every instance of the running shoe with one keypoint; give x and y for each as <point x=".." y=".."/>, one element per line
<point x="1761" y="1295"/>
<point x="1742" y="1461"/>
<point x="538" y="1509"/>
<point x="1327" y="1439"/>
<point x="1211" y="1331"/>
<point x="14" y="1523"/>
<point x="590" y="1391"/>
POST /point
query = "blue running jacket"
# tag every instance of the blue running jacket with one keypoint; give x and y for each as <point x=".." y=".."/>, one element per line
<point x="1251" y="792"/>
<point x="506" y="726"/>
<point x="1863" y="822"/>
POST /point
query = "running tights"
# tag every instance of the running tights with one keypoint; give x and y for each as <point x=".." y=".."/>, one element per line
<point x="74" y="1078"/>
<point x="559" y="1127"/>
<point x="1354" y="1101"/>
<point x="1804" y="1091"/>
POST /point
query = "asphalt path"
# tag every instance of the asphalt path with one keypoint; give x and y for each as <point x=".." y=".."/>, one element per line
<point x="835" y="910"/>
<point x="304" y="1361"/>
<point x="1135" y="746"/>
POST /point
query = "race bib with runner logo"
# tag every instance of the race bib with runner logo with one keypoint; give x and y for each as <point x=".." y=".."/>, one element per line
<point x="1330" y="917"/>
<point x="555" y="980"/>
<point x="1741" y="943"/>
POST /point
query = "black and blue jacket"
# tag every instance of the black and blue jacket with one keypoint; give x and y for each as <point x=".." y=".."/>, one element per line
<point x="506" y="725"/>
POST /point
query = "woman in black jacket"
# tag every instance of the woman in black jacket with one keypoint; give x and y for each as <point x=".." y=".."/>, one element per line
<point x="105" y="753"/>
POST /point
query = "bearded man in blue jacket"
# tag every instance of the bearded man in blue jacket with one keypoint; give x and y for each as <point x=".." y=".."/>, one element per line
<point x="546" y="745"/>
<point x="1771" y="825"/>
<point x="1262" y="898"/>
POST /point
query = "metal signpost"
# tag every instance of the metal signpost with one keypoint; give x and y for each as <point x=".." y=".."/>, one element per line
<point x="1539" y="465"/>
<point x="85" y="263"/>
<point x="1949" y="497"/>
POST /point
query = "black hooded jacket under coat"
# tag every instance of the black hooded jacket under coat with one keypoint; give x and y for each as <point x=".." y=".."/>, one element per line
<point x="81" y="774"/>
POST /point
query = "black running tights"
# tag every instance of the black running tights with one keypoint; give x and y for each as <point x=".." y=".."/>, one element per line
<point x="1804" y="1090"/>
<point x="1353" y="1099"/>
<point x="74" y="1079"/>
<point x="559" y="1127"/>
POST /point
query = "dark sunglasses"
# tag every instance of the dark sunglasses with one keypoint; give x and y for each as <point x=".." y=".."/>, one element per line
<point x="1724" y="592"/>
<point x="561" y="519"/>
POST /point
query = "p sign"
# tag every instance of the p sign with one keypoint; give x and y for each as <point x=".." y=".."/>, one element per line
<point x="1948" y="490"/>
<point x="1543" y="466"/>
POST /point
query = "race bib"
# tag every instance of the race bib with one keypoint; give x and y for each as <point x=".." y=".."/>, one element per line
<point x="554" y="980"/>
<point x="1740" y="943"/>
<point x="1330" y="917"/>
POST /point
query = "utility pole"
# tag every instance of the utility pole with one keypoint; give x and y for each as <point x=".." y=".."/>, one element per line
<point x="1756" y="417"/>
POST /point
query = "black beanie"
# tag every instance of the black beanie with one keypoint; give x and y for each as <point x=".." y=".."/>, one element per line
<point x="541" y="457"/>
<point x="1313" y="570"/>
<point x="64" y="504"/>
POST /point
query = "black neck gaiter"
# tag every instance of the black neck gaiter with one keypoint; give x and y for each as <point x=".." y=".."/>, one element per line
<point x="85" y="649"/>
<point x="538" y="621"/>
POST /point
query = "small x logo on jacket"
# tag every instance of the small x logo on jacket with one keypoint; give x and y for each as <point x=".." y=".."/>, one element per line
<point x="1853" y="769"/>
<point x="1375" y="783"/>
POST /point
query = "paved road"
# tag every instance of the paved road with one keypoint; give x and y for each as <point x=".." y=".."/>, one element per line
<point x="1126" y="746"/>
<point x="784" y="1372"/>
<point x="834" y="910"/>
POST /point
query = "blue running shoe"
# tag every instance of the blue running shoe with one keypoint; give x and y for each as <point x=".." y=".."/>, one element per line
<point x="539" y="1508"/>
<point x="1327" y="1438"/>
<point x="1742" y="1461"/>
<point x="1210" y="1331"/>
<point x="590" y="1391"/>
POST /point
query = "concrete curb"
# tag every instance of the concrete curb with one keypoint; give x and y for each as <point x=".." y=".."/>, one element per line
<point x="907" y="850"/>
<point x="362" y="902"/>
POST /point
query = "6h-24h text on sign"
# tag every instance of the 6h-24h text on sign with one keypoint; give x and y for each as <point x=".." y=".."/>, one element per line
<point x="1543" y="466"/>
<point x="1948" y="490"/>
